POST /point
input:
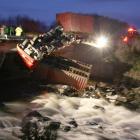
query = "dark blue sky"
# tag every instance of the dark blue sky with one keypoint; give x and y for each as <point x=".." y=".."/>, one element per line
<point x="45" y="10"/>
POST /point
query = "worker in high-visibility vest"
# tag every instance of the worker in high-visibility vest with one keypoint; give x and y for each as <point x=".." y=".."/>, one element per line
<point x="18" y="31"/>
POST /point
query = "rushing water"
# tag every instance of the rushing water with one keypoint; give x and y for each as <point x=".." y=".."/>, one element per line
<point x="96" y="119"/>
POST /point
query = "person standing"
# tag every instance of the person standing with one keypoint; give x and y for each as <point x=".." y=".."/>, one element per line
<point x="6" y="31"/>
<point x="11" y="30"/>
<point x="2" y="30"/>
<point x="19" y="31"/>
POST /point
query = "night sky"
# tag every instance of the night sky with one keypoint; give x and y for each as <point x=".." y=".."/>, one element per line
<point x="45" y="10"/>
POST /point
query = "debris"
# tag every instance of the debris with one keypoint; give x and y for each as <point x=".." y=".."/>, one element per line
<point x="121" y="99"/>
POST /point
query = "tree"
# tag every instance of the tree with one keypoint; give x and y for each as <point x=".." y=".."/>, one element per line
<point x="28" y="24"/>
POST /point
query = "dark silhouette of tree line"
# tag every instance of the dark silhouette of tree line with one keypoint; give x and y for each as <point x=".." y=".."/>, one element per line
<point x="28" y="24"/>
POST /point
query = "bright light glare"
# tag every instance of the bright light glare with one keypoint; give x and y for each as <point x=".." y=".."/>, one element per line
<point x="131" y="30"/>
<point x="101" y="42"/>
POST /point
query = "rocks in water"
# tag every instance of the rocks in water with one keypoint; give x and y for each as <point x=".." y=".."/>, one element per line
<point x="99" y="107"/>
<point x="73" y="123"/>
<point x="95" y="124"/>
<point x="67" y="128"/>
<point x="37" y="127"/>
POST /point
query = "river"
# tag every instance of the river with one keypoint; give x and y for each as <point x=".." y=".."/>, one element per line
<point x="96" y="119"/>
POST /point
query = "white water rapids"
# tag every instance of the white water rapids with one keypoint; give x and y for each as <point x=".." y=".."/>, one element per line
<point x="96" y="119"/>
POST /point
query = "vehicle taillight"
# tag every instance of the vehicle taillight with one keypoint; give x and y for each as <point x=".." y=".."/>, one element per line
<point x="131" y="30"/>
<point x="125" y="39"/>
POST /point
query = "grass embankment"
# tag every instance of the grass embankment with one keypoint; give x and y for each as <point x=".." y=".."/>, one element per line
<point x="134" y="72"/>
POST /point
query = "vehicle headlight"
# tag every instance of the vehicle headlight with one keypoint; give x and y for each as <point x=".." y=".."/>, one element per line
<point x="101" y="42"/>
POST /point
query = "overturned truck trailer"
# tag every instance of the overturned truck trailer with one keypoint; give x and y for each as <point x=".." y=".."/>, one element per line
<point x="39" y="54"/>
<point x="76" y="23"/>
